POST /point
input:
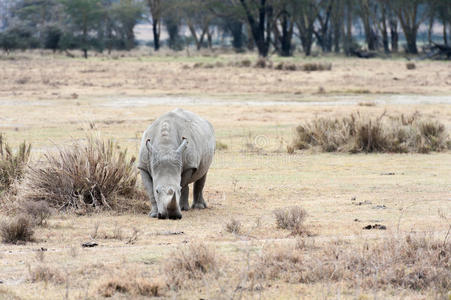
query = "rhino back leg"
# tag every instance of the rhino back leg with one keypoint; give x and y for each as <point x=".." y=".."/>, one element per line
<point x="199" y="201"/>
<point x="148" y="184"/>
<point x="184" y="205"/>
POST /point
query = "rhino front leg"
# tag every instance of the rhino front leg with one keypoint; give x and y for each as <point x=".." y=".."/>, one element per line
<point x="199" y="201"/>
<point x="148" y="184"/>
<point x="184" y="205"/>
<point x="186" y="176"/>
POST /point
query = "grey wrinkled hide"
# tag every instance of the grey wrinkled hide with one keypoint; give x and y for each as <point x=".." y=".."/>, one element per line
<point x="168" y="164"/>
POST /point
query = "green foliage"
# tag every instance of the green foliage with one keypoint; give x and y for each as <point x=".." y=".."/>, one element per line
<point x="12" y="164"/>
<point x="17" y="38"/>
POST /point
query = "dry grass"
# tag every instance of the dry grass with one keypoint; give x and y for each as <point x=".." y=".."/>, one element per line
<point x="361" y="133"/>
<point x="44" y="273"/>
<point x="17" y="230"/>
<point x="233" y="226"/>
<point x="416" y="262"/>
<point x="93" y="173"/>
<point x="12" y="163"/>
<point x="411" y="66"/>
<point x="39" y="211"/>
<point x="292" y="219"/>
<point x="130" y="284"/>
<point x="189" y="264"/>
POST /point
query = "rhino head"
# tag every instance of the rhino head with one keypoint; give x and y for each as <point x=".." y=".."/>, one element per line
<point x="166" y="170"/>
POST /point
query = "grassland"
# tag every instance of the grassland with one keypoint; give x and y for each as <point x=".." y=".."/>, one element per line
<point x="50" y="100"/>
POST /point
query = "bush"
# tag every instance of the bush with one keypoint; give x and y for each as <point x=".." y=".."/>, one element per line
<point x="292" y="219"/>
<point x="411" y="66"/>
<point x="12" y="163"/>
<point x="309" y="67"/>
<point x="234" y="226"/>
<point x="413" y="262"/>
<point x="93" y="173"/>
<point x="45" y="273"/>
<point x="130" y="284"/>
<point x="17" y="230"/>
<point x="192" y="263"/>
<point x="356" y="133"/>
<point x="39" y="211"/>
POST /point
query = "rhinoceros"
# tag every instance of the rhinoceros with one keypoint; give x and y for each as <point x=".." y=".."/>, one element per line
<point x="177" y="149"/>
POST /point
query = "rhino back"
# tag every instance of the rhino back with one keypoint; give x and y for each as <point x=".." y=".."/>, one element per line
<point x="199" y="133"/>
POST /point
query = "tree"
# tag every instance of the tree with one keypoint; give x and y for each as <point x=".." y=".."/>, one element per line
<point x="83" y="16"/>
<point x="259" y="16"/>
<point x="198" y="19"/>
<point x="127" y="13"/>
<point x="284" y="27"/>
<point x="156" y="12"/>
<point x="411" y="17"/>
<point x="306" y="14"/>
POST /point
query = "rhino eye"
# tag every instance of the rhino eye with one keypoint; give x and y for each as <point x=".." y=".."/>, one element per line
<point x="158" y="190"/>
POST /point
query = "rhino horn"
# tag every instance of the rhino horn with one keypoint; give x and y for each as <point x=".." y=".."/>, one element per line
<point x="183" y="145"/>
<point x="173" y="203"/>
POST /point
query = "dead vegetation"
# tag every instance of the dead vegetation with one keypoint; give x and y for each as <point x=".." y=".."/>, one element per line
<point x="17" y="230"/>
<point x="130" y="284"/>
<point x="233" y="226"/>
<point x="413" y="261"/>
<point x="362" y="133"/>
<point x="292" y="218"/>
<point x="43" y="272"/>
<point x="93" y="173"/>
<point x="12" y="163"/>
<point x="39" y="211"/>
<point x="189" y="264"/>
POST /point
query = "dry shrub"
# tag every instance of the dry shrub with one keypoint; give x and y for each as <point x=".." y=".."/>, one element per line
<point x="234" y="226"/>
<point x="17" y="230"/>
<point x="357" y="133"/>
<point x="45" y="273"/>
<point x="93" y="173"/>
<point x="292" y="218"/>
<point x="12" y="163"/>
<point x="221" y="146"/>
<point x="246" y="63"/>
<point x="310" y="67"/>
<point x="261" y="63"/>
<point x="39" y="211"/>
<point x="411" y="66"/>
<point x="189" y="264"/>
<point x="417" y="262"/>
<point x="130" y="284"/>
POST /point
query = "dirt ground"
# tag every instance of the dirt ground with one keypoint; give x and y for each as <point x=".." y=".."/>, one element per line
<point x="50" y="100"/>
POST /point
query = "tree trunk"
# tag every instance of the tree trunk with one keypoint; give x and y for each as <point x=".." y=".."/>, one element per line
<point x="445" y="35"/>
<point x="236" y="28"/>
<point x="156" y="34"/>
<point x="430" y="28"/>
<point x="384" y="29"/>
<point x="348" y="40"/>
<point x="394" y="35"/>
<point x="411" y="39"/>
<point x="287" y="34"/>
<point x="261" y="30"/>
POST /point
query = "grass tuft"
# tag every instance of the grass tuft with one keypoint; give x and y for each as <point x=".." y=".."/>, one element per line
<point x="132" y="285"/>
<point x="12" y="163"/>
<point x="416" y="262"/>
<point x="357" y="133"/>
<point x="234" y="226"/>
<point x="292" y="218"/>
<point x="39" y="211"/>
<point x="190" y="264"/>
<point x="18" y="230"/>
<point x="45" y="273"/>
<point x="411" y="66"/>
<point x="94" y="173"/>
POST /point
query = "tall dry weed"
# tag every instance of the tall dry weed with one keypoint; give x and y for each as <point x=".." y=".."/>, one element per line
<point x="361" y="133"/>
<point x="93" y="173"/>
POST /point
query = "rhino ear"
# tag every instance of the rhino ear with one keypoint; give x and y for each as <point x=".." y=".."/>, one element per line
<point x="183" y="145"/>
<point x="149" y="146"/>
